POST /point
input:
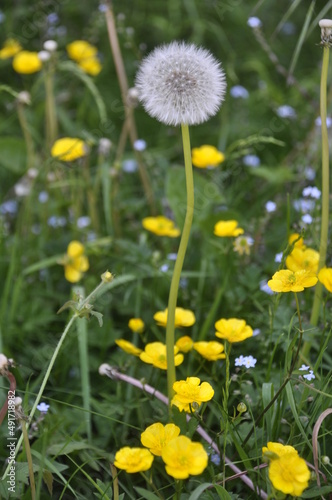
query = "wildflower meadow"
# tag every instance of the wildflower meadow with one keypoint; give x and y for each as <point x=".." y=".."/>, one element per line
<point x="166" y="258"/>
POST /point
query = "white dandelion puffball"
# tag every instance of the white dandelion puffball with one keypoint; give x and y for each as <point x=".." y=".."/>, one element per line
<point x="180" y="83"/>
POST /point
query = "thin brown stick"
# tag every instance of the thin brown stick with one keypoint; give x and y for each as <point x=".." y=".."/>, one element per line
<point x="129" y="114"/>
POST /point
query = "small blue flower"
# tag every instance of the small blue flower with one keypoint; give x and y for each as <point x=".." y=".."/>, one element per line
<point x="254" y="22"/>
<point x="140" y="145"/>
<point x="318" y="122"/>
<point x="83" y="221"/>
<point x="239" y="92"/>
<point x="278" y="257"/>
<point x="309" y="376"/>
<point x="309" y="173"/>
<point x="312" y="192"/>
<point x="43" y="407"/>
<point x="270" y="206"/>
<point x="251" y="161"/>
<point x="129" y="166"/>
<point x="304" y="368"/>
<point x="265" y="287"/>
<point x="286" y="111"/>
<point x="307" y="219"/>
<point x="215" y="458"/>
<point x="43" y="197"/>
<point x="164" y="268"/>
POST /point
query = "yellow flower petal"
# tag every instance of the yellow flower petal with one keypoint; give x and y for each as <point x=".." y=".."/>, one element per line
<point x="161" y="226"/>
<point x="325" y="277"/>
<point x="128" y="347"/>
<point x="157" y="436"/>
<point x="233" y="330"/>
<point x="227" y="229"/>
<point x="10" y="48"/>
<point x="26" y="62"/>
<point x="183" y="458"/>
<point x="133" y="459"/>
<point x="207" y="156"/>
<point x="68" y="149"/>
<point x="80" y="50"/>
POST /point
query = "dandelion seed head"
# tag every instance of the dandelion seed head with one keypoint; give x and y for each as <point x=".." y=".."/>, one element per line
<point x="181" y="83"/>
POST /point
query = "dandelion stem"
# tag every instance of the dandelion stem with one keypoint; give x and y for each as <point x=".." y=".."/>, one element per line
<point x="325" y="195"/>
<point x="173" y="294"/>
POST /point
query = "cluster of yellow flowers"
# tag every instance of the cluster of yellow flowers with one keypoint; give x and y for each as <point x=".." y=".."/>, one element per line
<point x="28" y="62"/>
<point x="182" y="457"/>
<point x="233" y="330"/>
<point x="288" y="472"/>
<point x="85" y="55"/>
<point x="302" y="266"/>
<point x="24" y="61"/>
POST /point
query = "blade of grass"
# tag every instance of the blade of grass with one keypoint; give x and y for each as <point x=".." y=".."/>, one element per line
<point x="301" y="39"/>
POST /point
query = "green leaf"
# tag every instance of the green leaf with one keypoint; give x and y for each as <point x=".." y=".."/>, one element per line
<point x="13" y="154"/>
<point x="146" y="493"/>
<point x="222" y="493"/>
<point x="274" y="175"/>
<point x="66" y="448"/>
<point x="317" y="492"/>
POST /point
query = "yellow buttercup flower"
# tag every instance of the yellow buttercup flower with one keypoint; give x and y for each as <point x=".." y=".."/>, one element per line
<point x="76" y="263"/>
<point x="303" y="258"/>
<point x="26" y="62"/>
<point x="136" y="325"/>
<point x="212" y="350"/>
<point x="161" y="226"/>
<point x="183" y="317"/>
<point x="227" y="228"/>
<point x="128" y="347"/>
<point x="155" y="354"/>
<point x="233" y="330"/>
<point x="185" y="343"/>
<point x="288" y="472"/>
<point x="184" y="458"/>
<point x="80" y="50"/>
<point x="325" y="277"/>
<point x="133" y="459"/>
<point x="91" y="66"/>
<point x="207" y="156"/>
<point x="157" y="436"/>
<point x="68" y="149"/>
<point x="189" y="391"/>
<point x="292" y="281"/>
<point x="10" y="48"/>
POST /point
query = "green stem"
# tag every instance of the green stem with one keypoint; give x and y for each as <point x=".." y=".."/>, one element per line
<point x="325" y="196"/>
<point x="83" y="350"/>
<point x="51" y="120"/>
<point x="325" y="184"/>
<point x="173" y="294"/>
<point x="27" y="135"/>
<point x="29" y="459"/>
<point x="225" y="404"/>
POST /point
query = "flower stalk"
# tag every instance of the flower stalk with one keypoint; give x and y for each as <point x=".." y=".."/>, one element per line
<point x="326" y="38"/>
<point x="173" y="294"/>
